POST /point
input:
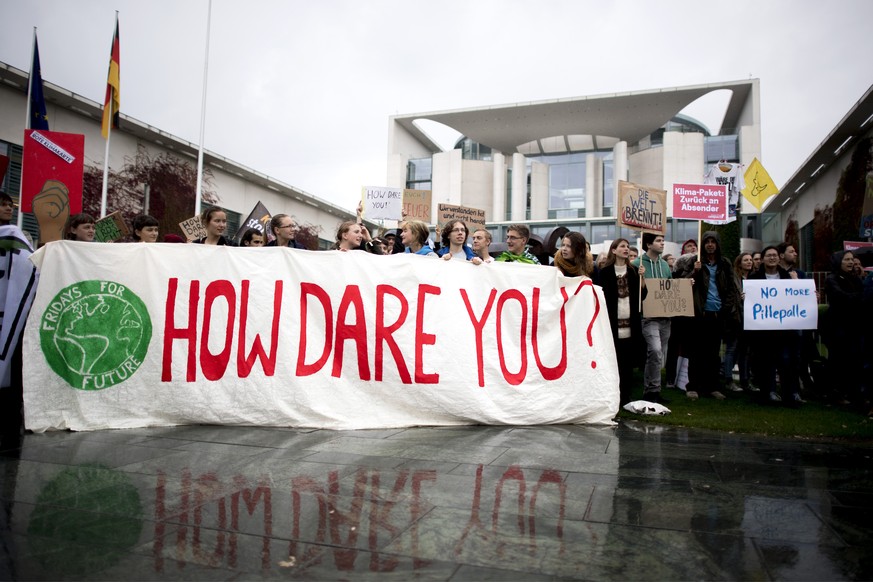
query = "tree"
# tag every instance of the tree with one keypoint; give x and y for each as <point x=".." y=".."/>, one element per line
<point x="172" y="186"/>
<point x="850" y="195"/>
<point x="822" y="237"/>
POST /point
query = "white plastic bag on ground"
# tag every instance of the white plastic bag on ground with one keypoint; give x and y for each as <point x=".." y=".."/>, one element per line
<point x="646" y="407"/>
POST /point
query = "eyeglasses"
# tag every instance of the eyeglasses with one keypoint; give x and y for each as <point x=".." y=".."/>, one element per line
<point x="464" y="230"/>
<point x="288" y="226"/>
<point x="510" y="237"/>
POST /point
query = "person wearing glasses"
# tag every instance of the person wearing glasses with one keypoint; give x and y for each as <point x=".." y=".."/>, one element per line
<point x="284" y="228"/>
<point x="516" y="246"/>
<point x="454" y="238"/>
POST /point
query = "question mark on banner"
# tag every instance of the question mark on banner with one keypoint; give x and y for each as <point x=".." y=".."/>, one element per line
<point x="590" y="283"/>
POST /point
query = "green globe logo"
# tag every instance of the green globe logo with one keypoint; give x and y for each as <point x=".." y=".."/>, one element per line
<point x="95" y="334"/>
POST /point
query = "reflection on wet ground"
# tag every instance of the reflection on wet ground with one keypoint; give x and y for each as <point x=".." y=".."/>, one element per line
<point x="633" y="501"/>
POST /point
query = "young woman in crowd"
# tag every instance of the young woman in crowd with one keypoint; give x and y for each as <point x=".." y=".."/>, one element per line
<point x="352" y="236"/>
<point x="736" y="343"/>
<point x="284" y="228"/>
<point x="621" y="291"/>
<point x="413" y="235"/>
<point x="843" y="329"/>
<point x="215" y="222"/>
<point x="454" y="239"/>
<point x="671" y="260"/>
<point x="81" y="227"/>
<point x="574" y="259"/>
<point x="145" y="228"/>
<point x="252" y="238"/>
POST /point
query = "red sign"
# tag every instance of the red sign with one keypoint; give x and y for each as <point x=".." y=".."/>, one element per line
<point x="708" y="202"/>
<point x="52" y="172"/>
<point x="850" y="245"/>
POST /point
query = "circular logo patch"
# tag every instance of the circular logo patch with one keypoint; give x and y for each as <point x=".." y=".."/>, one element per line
<point x="95" y="334"/>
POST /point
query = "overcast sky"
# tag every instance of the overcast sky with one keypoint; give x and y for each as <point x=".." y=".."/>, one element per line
<point x="302" y="91"/>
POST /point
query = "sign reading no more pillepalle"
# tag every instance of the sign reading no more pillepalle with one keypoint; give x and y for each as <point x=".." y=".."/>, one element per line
<point x="780" y="304"/>
<point x="272" y="337"/>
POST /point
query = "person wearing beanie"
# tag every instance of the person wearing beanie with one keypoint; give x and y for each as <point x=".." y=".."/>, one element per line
<point x="716" y="311"/>
<point x="656" y="330"/>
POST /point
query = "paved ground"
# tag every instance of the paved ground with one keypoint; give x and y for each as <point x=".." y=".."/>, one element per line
<point x="478" y="503"/>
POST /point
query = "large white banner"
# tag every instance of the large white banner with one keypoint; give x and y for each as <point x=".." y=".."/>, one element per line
<point x="127" y="335"/>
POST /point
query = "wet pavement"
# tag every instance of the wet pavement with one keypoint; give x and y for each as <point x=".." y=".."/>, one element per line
<point x="634" y="501"/>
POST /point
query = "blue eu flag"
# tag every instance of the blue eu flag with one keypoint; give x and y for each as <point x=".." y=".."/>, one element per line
<point x="38" y="116"/>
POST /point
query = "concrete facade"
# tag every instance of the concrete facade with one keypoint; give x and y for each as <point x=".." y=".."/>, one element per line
<point x="238" y="187"/>
<point x="623" y="123"/>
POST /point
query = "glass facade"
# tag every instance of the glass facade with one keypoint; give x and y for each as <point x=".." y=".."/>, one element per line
<point x="419" y="173"/>
<point x="567" y="182"/>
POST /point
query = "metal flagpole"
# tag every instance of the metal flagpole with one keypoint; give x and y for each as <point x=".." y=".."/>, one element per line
<point x="203" y="116"/>
<point x="26" y="125"/>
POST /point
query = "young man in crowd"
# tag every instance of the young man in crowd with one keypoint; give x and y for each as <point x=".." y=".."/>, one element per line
<point x="481" y="242"/>
<point x="656" y="330"/>
<point x="716" y="306"/>
<point x="517" y="236"/>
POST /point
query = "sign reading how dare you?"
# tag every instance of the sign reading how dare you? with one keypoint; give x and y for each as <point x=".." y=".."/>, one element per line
<point x="162" y="334"/>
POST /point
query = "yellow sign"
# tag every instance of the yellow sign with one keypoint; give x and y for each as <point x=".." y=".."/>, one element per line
<point x="759" y="185"/>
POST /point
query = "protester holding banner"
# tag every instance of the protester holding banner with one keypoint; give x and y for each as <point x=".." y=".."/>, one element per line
<point x="736" y="343"/>
<point x="716" y="310"/>
<point x="81" y="227"/>
<point x="454" y="238"/>
<point x="413" y="235"/>
<point x="252" y="238"/>
<point x="574" y="259"/>
<point x="481" y="243"/>
<point x="843" y="329"/>
<point x="145" y="228"/>
<point x="621" y="283"/>
<point x="776" y="351"/>
<point x="214" y="220"/>
<point x="352" y="236"/>
<point x="656" y="330"/>
<point x="284" y="228"/>
<point x="517" y="236"/>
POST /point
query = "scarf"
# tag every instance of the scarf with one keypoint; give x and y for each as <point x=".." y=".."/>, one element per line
<point x="570" y="269"/>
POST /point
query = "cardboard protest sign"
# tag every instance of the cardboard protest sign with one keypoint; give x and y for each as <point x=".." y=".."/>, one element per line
<point x="780" y="304"/>
<point x="396" y="341"/>
<point x="259" y="220"/>
<point x="111" y="228"/>
<point x="641" y="207"/>
<point x="473" y="217"/>
<point x="668" y="298"/>
<point x="707" y="202"/>
<point x="417" y="205"/>
<point x="382" y="203"/>
<point x="193" y="228"/>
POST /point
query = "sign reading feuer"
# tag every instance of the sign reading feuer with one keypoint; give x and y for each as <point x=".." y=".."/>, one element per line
<point x="668" y="298"/>
<point x="708" y="202"/>
<point x="780" y="304"/>
<point x="641" y="207"/>
<point x="417" y="204"/>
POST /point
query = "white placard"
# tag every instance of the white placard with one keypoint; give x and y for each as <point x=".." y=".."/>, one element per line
<point x="382" y="203"/>
<point x="780" y="304"/>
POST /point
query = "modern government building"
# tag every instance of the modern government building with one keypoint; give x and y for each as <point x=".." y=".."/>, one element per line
<point x="550" y="164"/>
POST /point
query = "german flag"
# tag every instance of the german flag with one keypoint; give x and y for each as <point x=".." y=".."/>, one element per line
<point x="112" y="103"/>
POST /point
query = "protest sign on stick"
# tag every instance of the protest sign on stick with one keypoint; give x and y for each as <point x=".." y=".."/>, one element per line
<point x="473" y="217"/>
<point x="780" y="304"/>
<point x="382" y="203"/>
<point x="111" y="228"/>
<point x="417" y="204"/>
<point x="641" y="207"/>
<point x="193" y="228"/>
<point x="668" y="298"/>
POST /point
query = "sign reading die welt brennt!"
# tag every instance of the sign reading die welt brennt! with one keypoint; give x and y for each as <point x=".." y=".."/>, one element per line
<point x="208" y="338"/>
<point x="780" y="304"/>
<point x="707" y="202"/>
<point x="641" y="207"/>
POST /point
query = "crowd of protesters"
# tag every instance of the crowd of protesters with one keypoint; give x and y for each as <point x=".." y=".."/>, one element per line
<point x="700" y="353"/>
